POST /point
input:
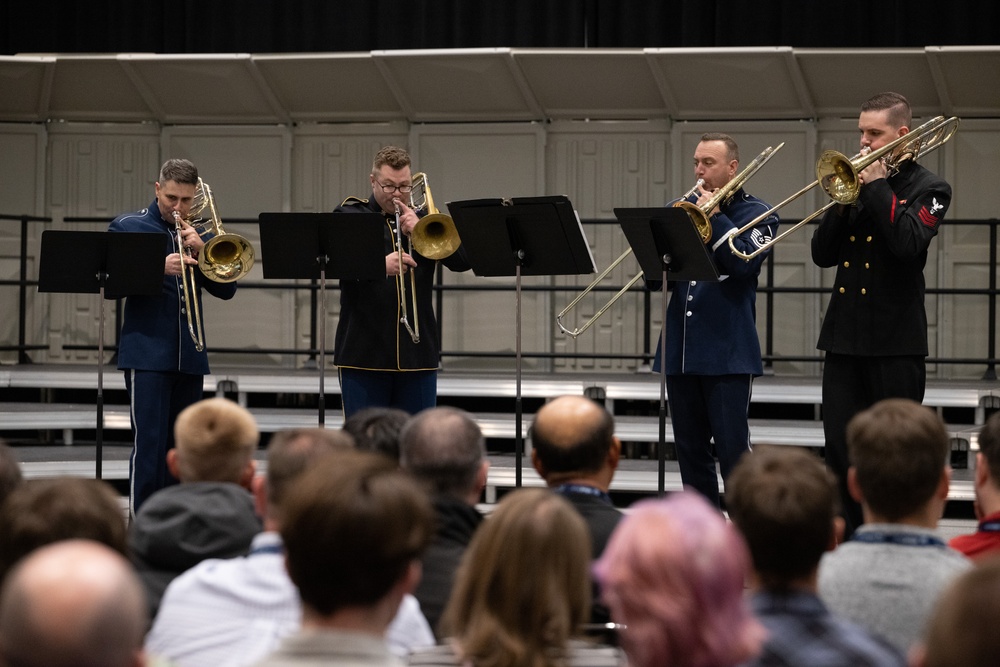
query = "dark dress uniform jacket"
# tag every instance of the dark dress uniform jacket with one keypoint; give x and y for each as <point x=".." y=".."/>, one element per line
<point x="879" y="247"/>
<point x="369" y="334"/>
<point x="154" y="331"/>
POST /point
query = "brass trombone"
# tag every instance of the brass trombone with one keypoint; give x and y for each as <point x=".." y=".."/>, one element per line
<point x="414" y="331"/>
<point x="699" y="218"/>
<point x="838" y="174"/>
<point x="224" y="258"/>
<point x="435" y="235"/>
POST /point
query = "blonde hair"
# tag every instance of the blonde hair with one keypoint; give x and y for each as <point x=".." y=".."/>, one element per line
<point x="216" y="439"/>
<point x="523" y="587"/>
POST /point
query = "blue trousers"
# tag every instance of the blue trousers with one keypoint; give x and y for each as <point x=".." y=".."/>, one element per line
<point x="411" y="391"/>
<point x="704" y="408"/>
<point x="155" y="400"/>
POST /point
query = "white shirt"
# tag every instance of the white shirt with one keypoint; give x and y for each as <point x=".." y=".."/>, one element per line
<point x="233" y="612"/>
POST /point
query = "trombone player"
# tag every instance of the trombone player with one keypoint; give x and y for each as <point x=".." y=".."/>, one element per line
<point x="874" y="333"/>
<point x="713" y="352"/>
<point x="386" y="345"/>
<point x="164" y="367"/>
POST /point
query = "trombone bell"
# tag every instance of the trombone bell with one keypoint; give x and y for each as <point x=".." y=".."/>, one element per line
<point x="435" y="235"/>
<point x="226" y="258"/>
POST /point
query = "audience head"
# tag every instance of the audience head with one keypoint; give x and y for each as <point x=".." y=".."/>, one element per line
<point x="674" y="573"/>
<point x="215" y="442"/>
<point x="42" y="511"/>
<point x="785" y="502"/>
<point x="376" y="429"/>
<point x="988" y="458"/>
<point x="961" y="631"/>
<point x="523" y="587"/>
<point x="10" y="471"/>
<point x="444" y="448"/>
<point x="289" y="454"/>
<point x="573" y="437"/>
<point x="354" y="527"/>
<point x="899" y="452"/>
<point x="75" y="603"/>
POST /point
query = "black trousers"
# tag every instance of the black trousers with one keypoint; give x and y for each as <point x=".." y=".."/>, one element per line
<point x="850" y="385"/>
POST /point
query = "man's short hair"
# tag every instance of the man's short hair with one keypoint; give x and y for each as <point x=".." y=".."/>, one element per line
<point x="74" y="603"/>
<point x="391" y="156"/>
<point x="376" y="429"/>
<point x="900" y="114"/>
<point x="784" y="501"/>
<point x="215" y="439"/>
<point x="443" y="447"/>
<point x="10" y="471"/>
<point x="179" y="171"/>
<point x="588" y="450"/>
<point x="989" y="445"/>
<point x="291" y="452"/>
<point x="352" y="525"/>
<point x="732" y="148"/>
<point x="43" y="511"/>
<point x="899" y="449"/>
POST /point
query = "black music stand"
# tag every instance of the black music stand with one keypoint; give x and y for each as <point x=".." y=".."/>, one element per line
<point x="318" y="246"/>
<point x="111" y="264"/>
<point x="526" y="236"/>
<point x="665" y="241"/>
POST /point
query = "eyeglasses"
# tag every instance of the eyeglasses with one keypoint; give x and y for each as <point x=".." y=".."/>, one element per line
<point x="389" y="187"/>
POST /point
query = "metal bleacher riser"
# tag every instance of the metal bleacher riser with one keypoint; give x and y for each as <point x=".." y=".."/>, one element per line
<point x="977" y="396"/>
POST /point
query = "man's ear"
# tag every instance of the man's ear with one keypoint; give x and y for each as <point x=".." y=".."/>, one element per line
<point x="537" y="462"/>
<point x="852" y="485"/>
<point x="614" y="453"/>
<point x="836" y="532"/>
<point x="172" y="463"/>
<point x="247" y="475"/>
<point x="258" y="487"/>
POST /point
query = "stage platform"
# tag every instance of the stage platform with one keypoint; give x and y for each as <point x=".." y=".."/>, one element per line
<point x="49" y="413"/>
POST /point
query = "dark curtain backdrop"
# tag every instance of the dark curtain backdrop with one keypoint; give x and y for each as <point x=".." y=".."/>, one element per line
<point x="268" y="26"/>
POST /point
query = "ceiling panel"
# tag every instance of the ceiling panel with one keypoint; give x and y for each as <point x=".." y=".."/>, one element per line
<point x="210" y="88"/>
<point x="839" y="80"/>
<point x="458" y="85"/>
<point x="591" y="83"/>
<point x="24" y="87"/>
<point x="95" y="88"/>
<point x="969" y="78"/>
<point x="333" y="87"/>
<point x="743" y="83"/>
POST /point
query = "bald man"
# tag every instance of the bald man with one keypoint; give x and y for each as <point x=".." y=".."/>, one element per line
<point x="574" y="449"/>
<point x="74" y="603"/>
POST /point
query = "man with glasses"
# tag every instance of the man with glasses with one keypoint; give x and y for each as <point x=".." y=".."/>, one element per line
<point x="380" y="363"/>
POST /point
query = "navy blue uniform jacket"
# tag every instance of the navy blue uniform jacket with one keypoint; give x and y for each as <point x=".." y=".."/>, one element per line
<point x="154" y="333"/>
<point x="712" y="327"/>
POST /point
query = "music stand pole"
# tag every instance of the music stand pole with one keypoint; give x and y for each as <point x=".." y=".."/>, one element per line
<point x="322" y="259"/>
<point x="662" y="447"/>
<point x="518" y="412"/>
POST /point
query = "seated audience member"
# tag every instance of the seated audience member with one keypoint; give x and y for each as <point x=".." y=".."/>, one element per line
<point x="522" y="592"/>
<point x="784" y="501"/>
<point x="376" y="429"/>
<point x="889" y="574"/>
<point x="74" y="603"/>
<point x="210" y="514"/>
<point x="354" y="528"/>
<point x="962" y="628"/>
<point x="444" y="449"/>
<point x="673" y="575"/>
<point x="986" y="540"/>
<point x="229" y="613"/>
<point x="574" y="449"/>
<point x="10" y="471"/>
<point x="42" y="511"/>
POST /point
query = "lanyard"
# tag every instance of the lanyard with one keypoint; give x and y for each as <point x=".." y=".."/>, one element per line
<point x="583" y="490"/>
<point x="990" y="526"/>
<point x="904" y="539"/>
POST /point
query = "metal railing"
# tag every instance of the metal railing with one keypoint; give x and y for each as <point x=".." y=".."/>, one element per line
<point x="768" y="295"/>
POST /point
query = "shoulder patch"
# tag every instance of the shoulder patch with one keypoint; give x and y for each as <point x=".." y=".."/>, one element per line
<point x="351" y="201"/>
